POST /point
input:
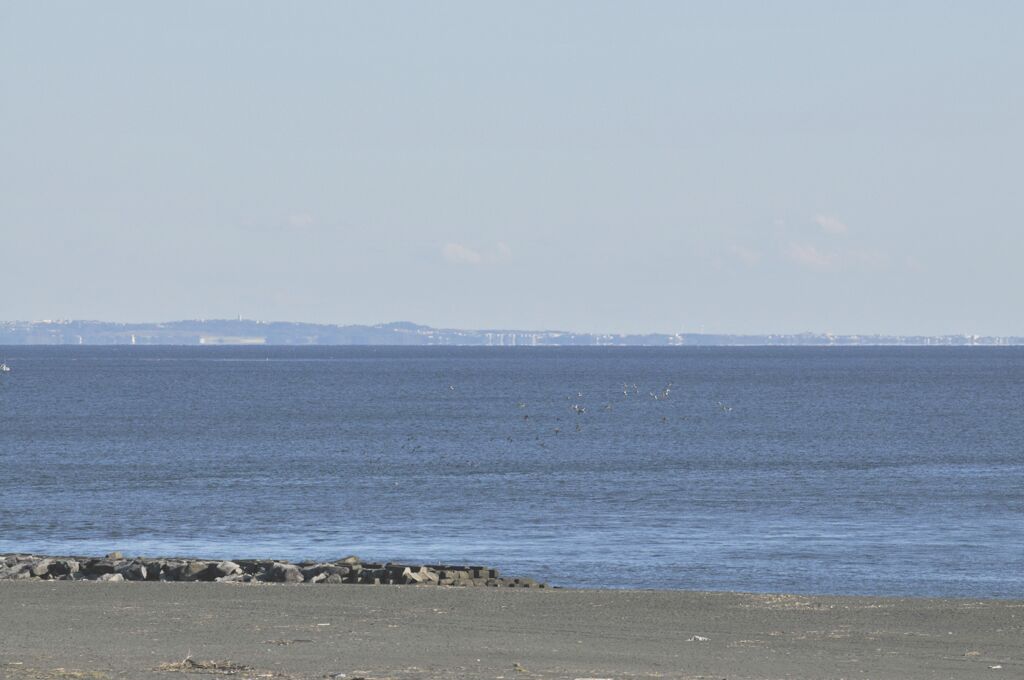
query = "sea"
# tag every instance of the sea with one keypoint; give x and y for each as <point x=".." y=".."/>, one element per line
<point x="838" y="470"/>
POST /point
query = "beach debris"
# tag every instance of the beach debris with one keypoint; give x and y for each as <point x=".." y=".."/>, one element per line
<point x="285" y="643"/>
<point x="63" y="673"/>
<point x="190" y="665"/>
<point x="696" y="638"/>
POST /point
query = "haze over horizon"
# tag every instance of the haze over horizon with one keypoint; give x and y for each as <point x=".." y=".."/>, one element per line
<point x="248" y="322"/>
<point x="583" y="166"/>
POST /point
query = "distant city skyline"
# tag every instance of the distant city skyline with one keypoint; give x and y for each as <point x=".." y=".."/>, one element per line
<point x="597" y="167"/>
<point x="251" y="332"/>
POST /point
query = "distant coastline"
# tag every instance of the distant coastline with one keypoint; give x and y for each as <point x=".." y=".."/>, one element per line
<point x="251" y="332"/>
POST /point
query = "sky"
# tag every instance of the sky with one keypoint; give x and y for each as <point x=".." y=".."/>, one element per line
<point x="726" y="167"/>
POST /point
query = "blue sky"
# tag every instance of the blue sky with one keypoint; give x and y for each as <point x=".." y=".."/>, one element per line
<point x="620" y="167"/>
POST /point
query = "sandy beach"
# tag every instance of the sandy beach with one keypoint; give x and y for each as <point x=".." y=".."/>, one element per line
<point x="148" y="630"/>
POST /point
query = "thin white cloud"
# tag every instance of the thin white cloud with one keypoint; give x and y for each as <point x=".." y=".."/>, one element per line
<point x="914" y="264"/>
<point x="456" y="253"/>
<point x="747" y="256"/>
<point x="807" y="255"/>
<point x="831" y="224"/>
<point x="298" y="221"/>
<point x="870" y="259"/>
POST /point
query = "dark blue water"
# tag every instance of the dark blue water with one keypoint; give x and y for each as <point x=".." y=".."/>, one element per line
<point x="816" y="470"/>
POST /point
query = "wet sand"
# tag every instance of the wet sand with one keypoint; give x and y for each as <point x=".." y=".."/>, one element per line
<point x="145" y="630"/>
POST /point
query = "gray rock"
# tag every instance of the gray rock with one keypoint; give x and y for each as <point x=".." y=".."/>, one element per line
<point x="196" y="570"/>
<point x="413" y="577"/>
<point x="134" y="571"/>
<point x="234" y="578"/>
<point x="227" y="568"/>
<point x="41" y="568"/>
<point x="154" y="569"/>
<point x="7" y="572"/>
<point x="168" y="570"/>
<point x="64" y="567"/>
<point x="99" y="567"/>
<point x="114" y="567"/>
<point x="312" y="571"/>
<point x="280" y="572"/>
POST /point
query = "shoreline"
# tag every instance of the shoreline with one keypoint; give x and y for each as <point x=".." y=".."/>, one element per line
<point x="348" y="570"/>
<point x="57" y="629"/>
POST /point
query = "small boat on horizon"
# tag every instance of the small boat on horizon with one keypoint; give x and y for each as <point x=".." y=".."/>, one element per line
<point x="4" y="368"/>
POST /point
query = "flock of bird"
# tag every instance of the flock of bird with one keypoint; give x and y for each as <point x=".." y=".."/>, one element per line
<point x="628" y="390"/>
<point x="546" y="419"/>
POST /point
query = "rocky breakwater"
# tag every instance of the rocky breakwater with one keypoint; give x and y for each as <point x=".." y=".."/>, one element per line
<point x="117" y="567"/>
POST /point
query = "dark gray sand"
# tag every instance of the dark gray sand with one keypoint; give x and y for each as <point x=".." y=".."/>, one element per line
<point x="146" y="630"/>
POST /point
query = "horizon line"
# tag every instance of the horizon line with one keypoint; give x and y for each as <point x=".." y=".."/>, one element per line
<point x="386" y="324"/>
